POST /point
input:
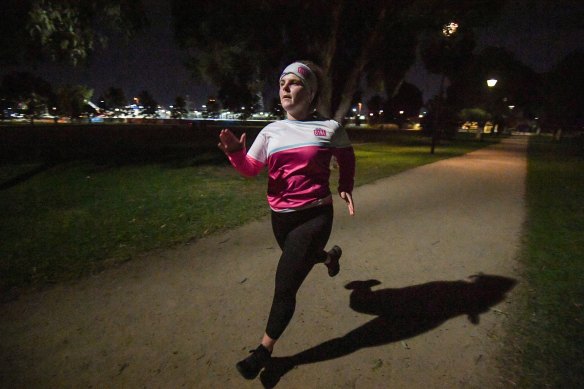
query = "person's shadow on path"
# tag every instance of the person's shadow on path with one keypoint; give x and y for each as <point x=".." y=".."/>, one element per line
<point x="401" y="313"/>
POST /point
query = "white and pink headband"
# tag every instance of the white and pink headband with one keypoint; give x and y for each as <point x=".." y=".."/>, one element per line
<point x="303" y="72"/>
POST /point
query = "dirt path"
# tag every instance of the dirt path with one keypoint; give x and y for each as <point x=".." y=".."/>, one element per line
<point x="183" y="317"/>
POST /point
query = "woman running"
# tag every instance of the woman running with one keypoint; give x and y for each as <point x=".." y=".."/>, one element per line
<point x="297" y="152"/>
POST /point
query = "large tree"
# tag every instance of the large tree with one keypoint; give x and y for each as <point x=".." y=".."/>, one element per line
<point x="150" y="105"/>
<point x="408" y="99"/>
<point x="115" y="98"/>
<point x="72" y="100"/>
<point x="565" y="100"/>
<point x="244" y="43"/>
<point x="179" y="109"/>
<point x="517" y="85"/>
<point x="63" y="30"/>
<point x="31" y="94"/>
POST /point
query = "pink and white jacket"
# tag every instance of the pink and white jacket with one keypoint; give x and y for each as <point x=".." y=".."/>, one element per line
<point x="298" y="155"/>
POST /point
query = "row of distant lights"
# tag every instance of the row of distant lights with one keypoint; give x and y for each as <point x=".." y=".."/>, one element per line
<point x="381" y="113"/>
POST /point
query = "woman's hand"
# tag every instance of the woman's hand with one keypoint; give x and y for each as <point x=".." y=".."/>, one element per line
<point x="229" y="142"/>
<point x="349" y="200"/>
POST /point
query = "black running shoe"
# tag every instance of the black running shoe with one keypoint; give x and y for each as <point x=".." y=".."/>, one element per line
<point x="333" y="265"/>
<point x="250" y="367"/>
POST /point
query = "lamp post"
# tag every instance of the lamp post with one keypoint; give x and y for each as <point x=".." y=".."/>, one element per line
<point x="448" y="30"/>
<point x="491" y="82"/>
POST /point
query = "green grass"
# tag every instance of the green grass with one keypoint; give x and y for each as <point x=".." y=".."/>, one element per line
<point x="377" y="160"/>
<point x="548" y="330"/>
<point x="77" y="218"/>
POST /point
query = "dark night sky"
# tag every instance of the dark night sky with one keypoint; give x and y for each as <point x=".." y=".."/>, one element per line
<point x="538" y="36"/>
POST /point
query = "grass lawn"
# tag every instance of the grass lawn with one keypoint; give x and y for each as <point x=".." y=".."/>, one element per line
<point x="548" y="329"/>
<point x="76" y="218"/>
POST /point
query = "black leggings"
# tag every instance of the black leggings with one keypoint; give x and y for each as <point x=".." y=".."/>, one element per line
<point x="302" y="236"/>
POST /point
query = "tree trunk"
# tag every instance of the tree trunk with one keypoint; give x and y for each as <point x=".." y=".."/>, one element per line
<point x="350" y="86"/>
<point x="347" y="94"/>
<point x="479" y="135"/>
<point x="328" y="54"/>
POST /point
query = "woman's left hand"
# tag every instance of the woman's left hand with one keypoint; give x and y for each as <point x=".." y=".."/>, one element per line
<point x="229" y="142"/>
<point x="349" y="200"/>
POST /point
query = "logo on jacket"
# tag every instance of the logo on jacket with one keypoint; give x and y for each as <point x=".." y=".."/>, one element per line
<point x="320" y="132"/>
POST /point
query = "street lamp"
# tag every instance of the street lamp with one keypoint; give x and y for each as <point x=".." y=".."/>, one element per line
<point x="448" y="31"/>
<point x="491" y="82"/>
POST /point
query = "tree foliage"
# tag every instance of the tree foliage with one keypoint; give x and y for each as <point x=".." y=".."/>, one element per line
<point x="565" y="99"/>
<point x="408" y="99"/>
<point x="242" y="45"/>
<point x="63" y="30"/>
<point x="72" y="100"/>
<point x="179" y="109"/>
<point x="517" y="84"/>
<point x="29" y="93"/>
<point x="115" y="98"/>
<point x="146" y="100"/>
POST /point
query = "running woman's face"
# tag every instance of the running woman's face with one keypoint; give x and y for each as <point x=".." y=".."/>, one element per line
<point x="294" y="97"/>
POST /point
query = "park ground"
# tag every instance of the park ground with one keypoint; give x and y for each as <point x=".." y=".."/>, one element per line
<point x="429" y="275"/>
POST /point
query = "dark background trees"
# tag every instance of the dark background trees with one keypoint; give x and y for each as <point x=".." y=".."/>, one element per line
<point x="115" y="98"/>
<point x="72" y="100"/>
<point x="179" y="108"/>
<point x="564" y="86"/>
<point x="405" y="104"/>
<point x="64" y="30"/>
<point x="518" y="92"/>
<point x="243" y="44"/>
<point x="30" y="94"/>
<point x="240" y="47"/>
<point x="67" y="31"/>
<point x="146" y="100"/>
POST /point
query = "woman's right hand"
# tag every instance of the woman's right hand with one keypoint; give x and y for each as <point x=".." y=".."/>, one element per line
<point x="229" y="143"/>
<point x="348" y="197"/>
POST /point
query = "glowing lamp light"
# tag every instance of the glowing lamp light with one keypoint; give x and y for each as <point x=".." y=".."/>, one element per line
<point x="450" y="29"/>
<point x="491" y="82"/>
